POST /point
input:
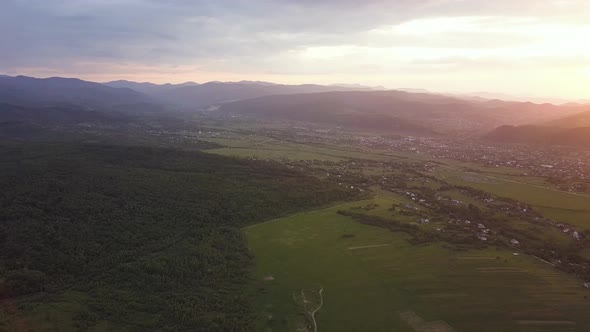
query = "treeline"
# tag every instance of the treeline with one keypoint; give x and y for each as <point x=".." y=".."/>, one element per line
<point x="151" y="236"/>
<point x="418" y="235"/>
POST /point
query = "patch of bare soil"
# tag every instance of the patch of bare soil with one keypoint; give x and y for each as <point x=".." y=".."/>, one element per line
<point x="547" y="322"/>
<point x="420" y="325"/>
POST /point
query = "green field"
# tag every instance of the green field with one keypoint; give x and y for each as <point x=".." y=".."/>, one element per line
<point x="372" y="277"/>
<point x="271" y="148"/>
<point x="565" y="207"/>
<point x="561" y="206"/>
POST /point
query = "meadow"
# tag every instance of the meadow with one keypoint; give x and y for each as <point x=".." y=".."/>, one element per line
<point x="571" y="208"/>
<point x="375" y="280"/>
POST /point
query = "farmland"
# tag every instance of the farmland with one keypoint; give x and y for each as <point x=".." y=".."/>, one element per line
<point x="433" y="249"/>
<point x="508" y="182"/>
<point x="428" y="244"/>
<point x="574" y="208"/>
<point x="373" y="279"/>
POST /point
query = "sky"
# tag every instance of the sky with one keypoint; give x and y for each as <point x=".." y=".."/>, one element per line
<point x="520" y="47"/>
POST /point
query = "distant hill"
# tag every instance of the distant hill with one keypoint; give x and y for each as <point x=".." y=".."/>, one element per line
<point x="413" y="90"/>
<point x="24" y="122"/>
<point x="56" y="91"/>
<point x="351" y="106"/>
<point x="577" y="120"/>
<point x="438" y="112"/>
<point x="323" y="108"/>
<point x="544" y="135"/>
<point x="147" y="87"/>
<point x="194" y="95"/>
<point x="569" y="130"/>
<point x="359" y="87"/>
<point x="54" y="114"/>
<point x="522" y="134"/>
<point x="509" y="97"/>
<point x="212" y="93"/>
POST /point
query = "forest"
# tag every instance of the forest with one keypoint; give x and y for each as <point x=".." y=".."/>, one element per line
<point x="149" y="238"/>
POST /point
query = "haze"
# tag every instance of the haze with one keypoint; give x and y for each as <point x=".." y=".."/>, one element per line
<point x="536" y="48"/>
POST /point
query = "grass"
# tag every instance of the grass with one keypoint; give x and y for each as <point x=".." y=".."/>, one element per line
<point x="364" y="289"/>
<point x="274" y="154"/>
<point x="561" y="206"/>
<point x="270" y="148"/>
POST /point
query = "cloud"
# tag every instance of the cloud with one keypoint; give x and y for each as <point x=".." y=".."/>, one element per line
<point x="286" y="37"/>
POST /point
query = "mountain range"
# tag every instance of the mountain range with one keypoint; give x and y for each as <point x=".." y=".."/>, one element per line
<point x="35" y="92"/>
<point x="210" y="93"/>
<point x="147" y="87"/>
<point x="542" y="135"/>
<point x="355" y="106"/>
<point x="569" y="130"/>
<point x="381" y="109"/>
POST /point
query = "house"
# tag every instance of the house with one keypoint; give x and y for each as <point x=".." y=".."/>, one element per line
<point x="514" y="242"/>
<point x="481" y="226"/>
<point x="587" y="284"/>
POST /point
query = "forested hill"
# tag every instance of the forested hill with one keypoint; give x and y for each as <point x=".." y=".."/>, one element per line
<point x="395" y="111"/>
<point x="543" y="135"/>
<point x="135" y="238"/>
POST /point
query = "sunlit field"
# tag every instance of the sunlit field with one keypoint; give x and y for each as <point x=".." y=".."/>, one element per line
<point x="372" y="279"/>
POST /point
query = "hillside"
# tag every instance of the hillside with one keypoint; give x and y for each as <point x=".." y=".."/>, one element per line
<point x="147" y="87"/>
<point x="351" y="106"/>
<point x="54" y="114"/>
<point x="56" y="91"/>
<point x="194" y="95"/>
<point x="541" y="135"/>
<point x="219" y="92"/>
<point x="577" y="120"/>
<point x="394" y="110"/>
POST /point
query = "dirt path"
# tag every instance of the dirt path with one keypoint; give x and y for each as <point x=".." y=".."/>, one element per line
<point x="371" y="246"/>
<point x="296" y="214"/>
<point x="315" y="324"/>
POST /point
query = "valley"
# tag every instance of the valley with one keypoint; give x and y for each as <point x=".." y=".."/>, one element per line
<point x="294" y="166"/>
<point x="291" y="222"/>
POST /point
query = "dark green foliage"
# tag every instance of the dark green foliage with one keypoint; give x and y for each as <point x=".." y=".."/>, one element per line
<point x="151" y="235"/>
<point x="417" y="234"/>
<point x="24" y="281"/>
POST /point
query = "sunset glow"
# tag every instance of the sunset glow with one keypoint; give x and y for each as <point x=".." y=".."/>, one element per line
<point x="535" y="48"/>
